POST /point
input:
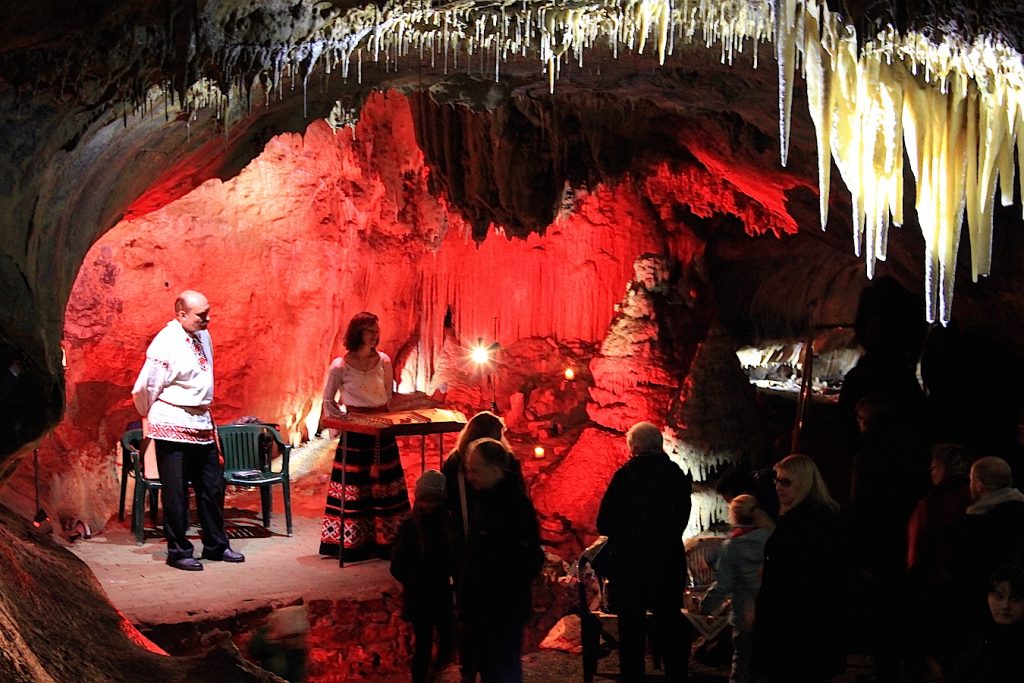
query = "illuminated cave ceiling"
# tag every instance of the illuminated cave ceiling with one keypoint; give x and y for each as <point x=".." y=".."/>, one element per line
<point x="113" y="109"/>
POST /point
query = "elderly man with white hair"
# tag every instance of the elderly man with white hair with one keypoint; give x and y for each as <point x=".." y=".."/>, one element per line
<point x="643" y="513"/>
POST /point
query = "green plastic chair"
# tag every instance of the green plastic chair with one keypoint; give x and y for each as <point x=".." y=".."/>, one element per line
<point x="132" y="464"/>
<point x="129" y="442"/>
<point x="246" y="451"/>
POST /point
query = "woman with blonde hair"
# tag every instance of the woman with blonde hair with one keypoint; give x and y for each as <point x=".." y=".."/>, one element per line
<point x="797" y="478"/>
<point x="799" y="631"/>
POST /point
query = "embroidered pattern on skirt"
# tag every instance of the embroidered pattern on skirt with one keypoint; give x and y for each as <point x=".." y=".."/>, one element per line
<point x="375" y="499"/>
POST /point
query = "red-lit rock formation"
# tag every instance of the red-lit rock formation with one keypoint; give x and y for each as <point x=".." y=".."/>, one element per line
<point x="324" y="225"/>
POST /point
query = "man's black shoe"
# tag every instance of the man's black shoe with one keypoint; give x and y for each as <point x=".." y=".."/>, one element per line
<point x="228" y="555"/>
<point x="189" y="564"/>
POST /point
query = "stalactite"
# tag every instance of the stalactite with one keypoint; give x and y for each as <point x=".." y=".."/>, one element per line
<point x="854" y="84"/>
<point x="785" y="54"/>
<point x="707" y="508"/>
<point x="853" y="94"/>
<point x="819" y="102"/>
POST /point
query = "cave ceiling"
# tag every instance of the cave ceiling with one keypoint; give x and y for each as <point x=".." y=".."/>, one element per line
<point x="113" y="109"/>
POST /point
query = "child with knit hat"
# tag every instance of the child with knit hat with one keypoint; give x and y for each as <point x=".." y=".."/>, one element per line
<point x="422" y="561"/>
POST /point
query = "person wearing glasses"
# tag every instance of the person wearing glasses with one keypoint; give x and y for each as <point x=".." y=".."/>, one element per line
<point x="799" y="632"/>
<point x="173" y="394"/>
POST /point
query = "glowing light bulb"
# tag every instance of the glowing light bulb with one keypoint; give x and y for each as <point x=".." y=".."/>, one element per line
<point x="479" y="355"/>
<point x="538" y="451"/>
<point x="569" y="374"/>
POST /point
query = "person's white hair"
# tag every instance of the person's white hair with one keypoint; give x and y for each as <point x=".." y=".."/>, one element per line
<point x="644" y="437"/>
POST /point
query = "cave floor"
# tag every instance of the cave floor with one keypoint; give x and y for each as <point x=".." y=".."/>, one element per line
<point x="281" y="570"/>
<point x="277" y="570"/>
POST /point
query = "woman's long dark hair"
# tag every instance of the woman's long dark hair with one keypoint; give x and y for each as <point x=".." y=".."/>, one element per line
<point x="356" y="326"/>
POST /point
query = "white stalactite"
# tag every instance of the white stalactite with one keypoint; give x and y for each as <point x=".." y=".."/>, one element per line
<point x="955" y="107"/>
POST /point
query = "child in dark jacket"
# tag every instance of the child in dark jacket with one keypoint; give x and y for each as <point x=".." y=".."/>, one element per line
<point x="422" y="562"/>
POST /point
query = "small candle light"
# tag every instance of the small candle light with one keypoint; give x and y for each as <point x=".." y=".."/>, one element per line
<point x="538" y="451"/>
<point x="569" y="374"/>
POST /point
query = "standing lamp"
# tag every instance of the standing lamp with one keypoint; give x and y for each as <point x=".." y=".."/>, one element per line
<point x="482" y="356"/>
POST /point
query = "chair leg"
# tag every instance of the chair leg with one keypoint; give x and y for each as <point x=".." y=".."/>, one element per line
<point x="139" y="513"/>
<point x="266" y="501"/>
<point x="124" y="491"/>
<point x="286" y="491"/>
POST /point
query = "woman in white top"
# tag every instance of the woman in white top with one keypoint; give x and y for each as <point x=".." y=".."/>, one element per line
<point x="376" y="498"/>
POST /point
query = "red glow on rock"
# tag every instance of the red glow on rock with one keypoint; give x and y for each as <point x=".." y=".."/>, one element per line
<point x="136" y="637"/>
<point x="737" y="182"/>
<point x="317" y="228"/>
<point x="321" y="226"/>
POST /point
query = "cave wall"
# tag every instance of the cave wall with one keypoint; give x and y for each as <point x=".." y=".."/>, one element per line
<point x="45" y="592"/>
<point x="324" y="224"/>
<point x="320" y="227"/>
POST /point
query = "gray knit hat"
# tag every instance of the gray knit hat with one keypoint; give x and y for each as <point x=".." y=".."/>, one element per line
<point x="431" y="483"/>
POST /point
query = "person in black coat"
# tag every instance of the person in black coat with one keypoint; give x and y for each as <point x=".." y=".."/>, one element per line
<point x="422" y="561"/>
<point x="887" y="478"/>
<point x="799" y="633"/>
<point x="502" y="557"/>
<point x="643" y="513"/>
<point x="462" y="500"/>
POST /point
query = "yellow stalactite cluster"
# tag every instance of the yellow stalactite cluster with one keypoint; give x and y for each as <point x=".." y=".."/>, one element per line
<point x="954" y="108"/>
